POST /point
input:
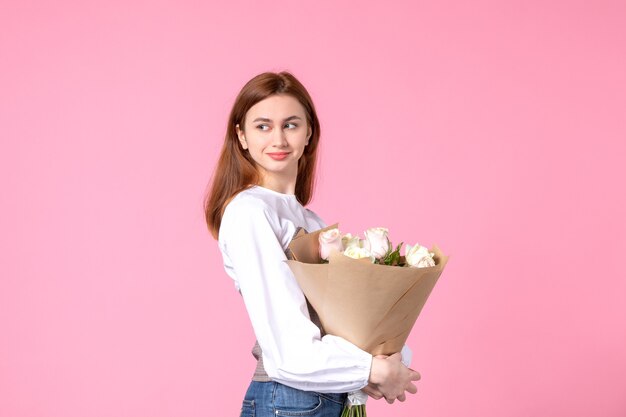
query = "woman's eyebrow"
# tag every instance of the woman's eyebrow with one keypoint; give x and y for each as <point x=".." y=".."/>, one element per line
<point x="265" y="119"/>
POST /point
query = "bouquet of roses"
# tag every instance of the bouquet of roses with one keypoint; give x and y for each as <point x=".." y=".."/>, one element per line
<point x="376" y="247"/>
<point x="363" y="290"/>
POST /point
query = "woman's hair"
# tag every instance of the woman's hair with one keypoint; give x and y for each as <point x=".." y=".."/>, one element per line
<point x="235" y="170"/>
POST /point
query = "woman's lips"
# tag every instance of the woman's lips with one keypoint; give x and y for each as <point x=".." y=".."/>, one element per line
<point x="278" y="156"/>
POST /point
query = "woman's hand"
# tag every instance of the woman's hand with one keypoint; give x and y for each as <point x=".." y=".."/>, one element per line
<point x="390" y="378"/>
<point x="371" y="390"/>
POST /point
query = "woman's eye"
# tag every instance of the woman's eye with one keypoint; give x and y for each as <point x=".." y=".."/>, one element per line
<point x="263" y="127"/>
<point x="291" y="125"/>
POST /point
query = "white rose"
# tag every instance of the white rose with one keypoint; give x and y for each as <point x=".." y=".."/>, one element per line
<point x="330" y="240"/>
<point x="418" y="256"/>
<point x="358" y="253"/>
<point x="377" y="242"/>
<point x="350" y="241"/>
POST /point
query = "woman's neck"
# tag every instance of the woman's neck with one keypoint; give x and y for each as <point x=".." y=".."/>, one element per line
<point x="279" y="184"/>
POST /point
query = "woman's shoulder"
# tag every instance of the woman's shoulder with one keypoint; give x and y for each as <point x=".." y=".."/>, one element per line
<point x="247" y="203"/>
<point x="255" y="207"/>
<point x="244" y="215"/>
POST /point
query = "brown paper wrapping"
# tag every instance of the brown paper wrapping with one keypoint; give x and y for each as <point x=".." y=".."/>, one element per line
<point x="373" y="306"/>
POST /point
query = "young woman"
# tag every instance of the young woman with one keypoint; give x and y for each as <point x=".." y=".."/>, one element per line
<point x="263" y="180"/>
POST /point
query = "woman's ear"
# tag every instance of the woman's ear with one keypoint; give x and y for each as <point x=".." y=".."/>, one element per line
<point x="241" y="136"/>
<point x="308" y="135"/>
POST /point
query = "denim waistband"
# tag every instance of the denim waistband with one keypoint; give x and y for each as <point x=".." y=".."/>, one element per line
<point x="276" y="399"/>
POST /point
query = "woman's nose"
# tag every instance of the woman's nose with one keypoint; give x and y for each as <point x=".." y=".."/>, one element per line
<point x="279" y="137"/>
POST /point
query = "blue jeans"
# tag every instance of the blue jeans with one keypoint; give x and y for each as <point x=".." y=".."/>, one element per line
<point x="271" y="399"/>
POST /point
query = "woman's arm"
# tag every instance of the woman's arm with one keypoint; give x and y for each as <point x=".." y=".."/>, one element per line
<point x="293" y="352"/>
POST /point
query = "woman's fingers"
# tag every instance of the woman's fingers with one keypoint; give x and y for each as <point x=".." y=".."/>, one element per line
<point x="415" y="376"/>
<point x="391" y="379"/>
<point x="372" y="392"/>
<point x="412" y="388"/>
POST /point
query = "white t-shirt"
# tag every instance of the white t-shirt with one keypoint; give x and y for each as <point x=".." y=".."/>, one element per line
<point x="256" y="229"/>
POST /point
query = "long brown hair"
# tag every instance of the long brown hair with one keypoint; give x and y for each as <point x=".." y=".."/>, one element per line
<point x="235" y="170"/>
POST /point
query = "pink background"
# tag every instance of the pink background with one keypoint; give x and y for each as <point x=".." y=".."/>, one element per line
<point x="493" y="129"/>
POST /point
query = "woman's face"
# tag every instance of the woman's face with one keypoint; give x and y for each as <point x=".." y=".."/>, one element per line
<point x="275" y="132"/>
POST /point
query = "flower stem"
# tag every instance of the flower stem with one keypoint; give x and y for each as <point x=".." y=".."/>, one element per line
<point x="354" y="411"/>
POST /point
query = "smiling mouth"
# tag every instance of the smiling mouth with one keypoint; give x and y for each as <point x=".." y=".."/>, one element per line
<point x="278" y="155"/>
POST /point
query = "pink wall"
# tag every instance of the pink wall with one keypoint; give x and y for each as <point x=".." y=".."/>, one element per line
<point x="493" y="130"/>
